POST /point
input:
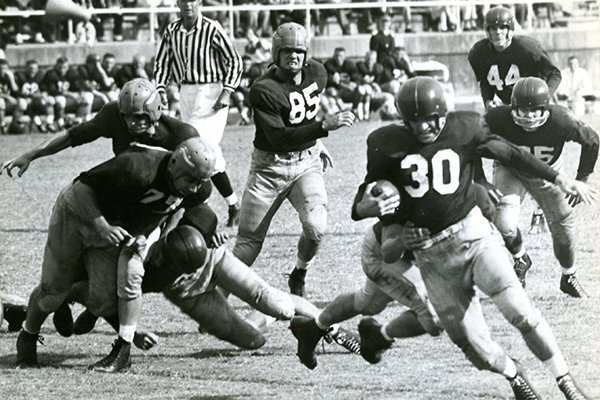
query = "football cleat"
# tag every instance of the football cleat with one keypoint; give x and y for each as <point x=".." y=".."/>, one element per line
<point x="570" y="285"/>
<point x="346" y="339"/>
<point x="27" y="349"/>
<point x="308" y="334"/>
<point x="372" y="342"/>
<point x="14" y="315"/>
<point x="85" y="322"/>
<point x="63" y="320"/>
<point x="296" y="282"/>
<point x="118" y="360"/>
<point x="569" y="388"/>
<point x="521" y="386"/>
<point x="538" y="223"/>
<point x="521" y="266"/>
<point x="233" y="215"/>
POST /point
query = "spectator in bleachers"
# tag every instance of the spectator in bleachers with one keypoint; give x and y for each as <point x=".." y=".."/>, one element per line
<point x="366" y="17"/>
<point x="135" y="69"/>
<point x="445" y="18"/>
<point x="33" y="99"/>
<point x="8" y="102"/>
<point x="400" y="68"/>
<point x="372" y="76"/>
<point x="342" y="82"/>
<point x="239" y="97"/>
<point x="62" y="82"/>
<point x="383" y="42"/>
<point x="575" y="84"/>
<point x="341" y="16"/>
<point x="92" y="77"/>
<point x="258" y="49"/>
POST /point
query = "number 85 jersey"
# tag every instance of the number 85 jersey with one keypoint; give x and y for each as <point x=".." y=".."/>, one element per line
<point x="435" y="180"/>
<point x="285" y="113"/>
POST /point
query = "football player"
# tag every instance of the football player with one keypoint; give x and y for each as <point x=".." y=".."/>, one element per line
<point x="430" y="160"/>
<point x="31" y="97"/>
<point x="286" y="162"/>
<point x="532" y="123"/>
<point x="498" y="62"/>
<point x="107" y="217"/>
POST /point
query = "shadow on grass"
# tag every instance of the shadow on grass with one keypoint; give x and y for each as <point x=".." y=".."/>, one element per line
<point x="46" y="360"/>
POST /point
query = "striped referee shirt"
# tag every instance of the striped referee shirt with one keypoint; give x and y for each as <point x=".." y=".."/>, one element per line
<point x="203" y="54"/>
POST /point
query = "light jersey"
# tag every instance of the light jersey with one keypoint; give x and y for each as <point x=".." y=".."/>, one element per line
<point x="497" y="72"/>
<point x="436" y="180"/>
<point x="546" y="143"/>
<point x="133" y="190"/>
<point x="285" y="113"/>
<point x="109" y="123"/>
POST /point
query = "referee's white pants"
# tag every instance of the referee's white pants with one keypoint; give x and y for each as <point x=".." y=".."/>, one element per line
<point x="195" y="105"/>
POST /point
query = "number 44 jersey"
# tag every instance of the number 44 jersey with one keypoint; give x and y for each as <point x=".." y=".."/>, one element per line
<point x="435" y="180"/>
<point x="285" y="113"/>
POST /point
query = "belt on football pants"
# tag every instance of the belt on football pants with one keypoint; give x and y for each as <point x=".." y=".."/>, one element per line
<point x="289" y="155"/>
<point x="444" y="234"/>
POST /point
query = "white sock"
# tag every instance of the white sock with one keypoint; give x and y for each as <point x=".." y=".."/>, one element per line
<point x="127" y="332"/>
<point x="321" y="325"/>
<point x="231" y="199"/>
<point x="557" y="366"/>
<point x="302" y="264"/>
<point x="520" y="254"/>
<point x="568" y="271"/>
<point x="385" y="335"/>
<point x="510" y="371"/>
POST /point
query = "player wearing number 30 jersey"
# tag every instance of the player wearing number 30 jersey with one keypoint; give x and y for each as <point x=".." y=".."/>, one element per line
<point x="286" y="162"/>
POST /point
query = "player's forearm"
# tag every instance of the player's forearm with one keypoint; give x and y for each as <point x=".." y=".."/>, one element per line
<point x="86" y="207"/>
<point x="57" y="144"/>
<point x="287" y="139"/>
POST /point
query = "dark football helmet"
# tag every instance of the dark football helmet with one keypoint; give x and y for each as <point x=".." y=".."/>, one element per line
<point x="185" y="249"/>
<point x="529" y="102"/>
<point x="499" y="17"/>
<point x="289" y="35"/>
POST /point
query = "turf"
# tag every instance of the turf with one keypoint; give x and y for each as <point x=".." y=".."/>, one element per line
<point x="189" y="365"/>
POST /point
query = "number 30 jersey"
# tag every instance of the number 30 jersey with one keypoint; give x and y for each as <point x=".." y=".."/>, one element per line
<point x="497" y="72"/>
<point x="547" y="142"/>
<point x="285" y="113"/>
<point x="435" y="180"/>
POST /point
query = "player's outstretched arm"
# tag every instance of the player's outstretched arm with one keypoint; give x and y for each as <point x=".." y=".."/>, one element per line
<point x="58" y="143"/>
<point x="338" y="120"/>
<point x="579" y="192"/>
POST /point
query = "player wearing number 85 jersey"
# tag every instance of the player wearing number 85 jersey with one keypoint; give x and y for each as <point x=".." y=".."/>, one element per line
<point x="286" y="162"/>
<point x="499" y="60"/>
<point x="430" y="160"/>
<point x="542" y="129"/>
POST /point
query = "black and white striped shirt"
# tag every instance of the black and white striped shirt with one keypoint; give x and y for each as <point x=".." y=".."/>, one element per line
<point x="204" y="54"/>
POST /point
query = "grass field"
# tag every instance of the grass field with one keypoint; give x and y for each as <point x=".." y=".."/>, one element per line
<point x="187" y="365"/>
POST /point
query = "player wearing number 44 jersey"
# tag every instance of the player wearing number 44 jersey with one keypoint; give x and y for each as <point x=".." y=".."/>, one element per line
<point x="542" y="129"/>
<point x="286" y="162"/>
<point x="431" y="161"/>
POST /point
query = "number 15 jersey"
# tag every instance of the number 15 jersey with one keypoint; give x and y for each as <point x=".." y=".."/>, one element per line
<point x="285" y="113"/>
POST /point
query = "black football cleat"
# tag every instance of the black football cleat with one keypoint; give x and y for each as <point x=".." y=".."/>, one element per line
<point x="27" y="349"/>
<point x="570" y="285"/>
<point x="296" y="282"/>
<point x="521" y="266"/>
<point x="348" y="340"/>
<point x="520" y="385"/>
<point x="233" y="215"/>
<point x="372" y="342"/>
<point x="63" y="320"/>
<point x="567" y="386"/>
<point x="118" y="360"/>
<point x="308" y="334"/>
<point x="14" y="315"/>
<point x="85" y="322"/>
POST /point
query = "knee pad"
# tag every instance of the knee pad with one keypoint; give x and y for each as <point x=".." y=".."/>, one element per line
<point x="279" y="304"/>
<point x="47" y="302"/>
<point x="368" y="305"/>
<point x="507" y="215"/>
<point x="316" y="224"/>
<point x="130" y="276"/>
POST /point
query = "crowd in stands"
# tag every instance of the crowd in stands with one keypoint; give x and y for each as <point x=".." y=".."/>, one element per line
<point x="110" y="27"/>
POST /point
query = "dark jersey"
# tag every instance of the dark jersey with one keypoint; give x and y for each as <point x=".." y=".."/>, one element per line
<point x="379" y="73"/>
<point x="57" y="84"/>
<point x="436" y="180"/>
<point x="29" y="86"/>
<point x="383" y="44"/>
<point x="546" y="142"/>
<point x="284" y="113"/>
<point x="109" y="123"/>
<point x="347" y="71"/>
<point x="497" y="72"/>
<point x="133" y="190"/>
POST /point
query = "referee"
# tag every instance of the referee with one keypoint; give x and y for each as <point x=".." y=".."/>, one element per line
<point x="196" y="54"/>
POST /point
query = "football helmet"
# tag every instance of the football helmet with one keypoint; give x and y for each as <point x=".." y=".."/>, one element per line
<point x="139" y="96"/>
<point x="529" y="102"/>
<point x="289" y="35"/>
<point x="193" y="158"/>
<point x="499" y="17"/>
<point x="185" y="249"/>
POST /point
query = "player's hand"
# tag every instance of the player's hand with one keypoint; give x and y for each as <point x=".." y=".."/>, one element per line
<point x="412" y="237"/>
<point x="222" y="101"/>
<point x="22" y="163"/>
<point x="136" y="244"/>
<point x="114" y="235"/>
<point x="218" y="240"/>
<point x="577" y="192"/>
<point x="377" y="206"/>
<point x="145" y="340"/>
<point x="492" y="104"/>
<point x="326" y="160"/>
<point x="338" y="120"/>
